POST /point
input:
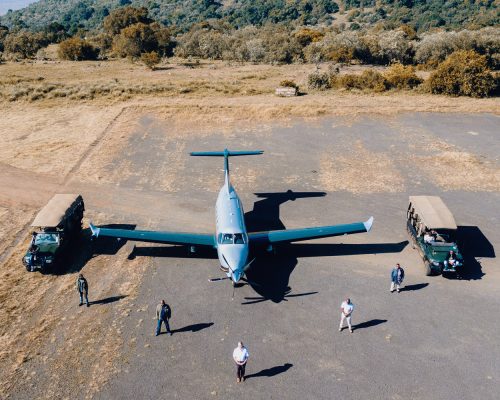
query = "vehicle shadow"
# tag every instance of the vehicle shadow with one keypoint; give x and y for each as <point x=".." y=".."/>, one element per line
<point x="86" y="247"/>
<point x="418" y="286"/>
<point x="269" y="274"/>
<point x="369" y="324"/>
<point x="270" y="372"/>
<point x="193" y="328"/>
<point x="107" y="300"/>
<point x="474" y="246"/>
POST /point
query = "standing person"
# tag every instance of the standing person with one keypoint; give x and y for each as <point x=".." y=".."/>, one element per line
<point x="397" y="276"/>
<point x="346" y="308"/>
<point x="240" y="357"/>
<point x="163" y="314"/>
<point x="83" y="289"/>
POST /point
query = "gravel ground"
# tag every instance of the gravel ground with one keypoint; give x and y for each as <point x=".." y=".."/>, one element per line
<point x="437" y="339"/>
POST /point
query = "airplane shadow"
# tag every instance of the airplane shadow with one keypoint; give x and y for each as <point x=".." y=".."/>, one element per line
<point x="269" y="274"/>
<point x="174" y="251"/>
<point x="85" y="247"/>
<point x="193" y="328"/>
<point x="270" y="372"/>
<point x="369" y="324"/>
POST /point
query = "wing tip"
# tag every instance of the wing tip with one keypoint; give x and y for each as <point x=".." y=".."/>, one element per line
<point x="95" y="230"/>
<point x="368" y="224"/>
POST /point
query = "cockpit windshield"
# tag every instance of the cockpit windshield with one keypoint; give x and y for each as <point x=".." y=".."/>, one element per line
<point x="238" y="238"/>
<point x="230" y="238"/>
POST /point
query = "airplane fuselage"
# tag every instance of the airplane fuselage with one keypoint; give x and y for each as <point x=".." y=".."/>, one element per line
<point x="231" y="233"/>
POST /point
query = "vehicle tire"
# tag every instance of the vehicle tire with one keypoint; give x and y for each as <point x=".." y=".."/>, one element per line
<point x="428" y="269"/>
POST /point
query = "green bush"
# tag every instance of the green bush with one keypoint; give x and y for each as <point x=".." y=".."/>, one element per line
<point x="463" y="73"/>
<point x="318" y="80"/>
<point x="76" y="49"/>
<point x="399" y="76"/>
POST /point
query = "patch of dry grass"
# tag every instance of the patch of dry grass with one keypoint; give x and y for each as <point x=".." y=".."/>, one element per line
<point x="362" y="171"/>
<point x="453" y="169"/>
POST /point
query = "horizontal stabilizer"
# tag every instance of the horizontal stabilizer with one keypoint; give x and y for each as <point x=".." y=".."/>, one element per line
<point x="226" y="153"/>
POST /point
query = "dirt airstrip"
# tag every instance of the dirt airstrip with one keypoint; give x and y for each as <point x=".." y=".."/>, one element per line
<point x="129" y="160"/>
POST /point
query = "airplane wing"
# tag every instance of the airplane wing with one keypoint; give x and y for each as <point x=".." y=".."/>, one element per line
<point x="295" y="235"/>
<point x="155" y="236"/>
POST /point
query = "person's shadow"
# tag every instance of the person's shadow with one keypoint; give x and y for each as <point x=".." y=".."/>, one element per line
<point x="107" y="300"/>
<point x="193" y="328"/>
<point x="269" y="372"/>
<point x="369" y="324"/>
<point x="417" y="286"/>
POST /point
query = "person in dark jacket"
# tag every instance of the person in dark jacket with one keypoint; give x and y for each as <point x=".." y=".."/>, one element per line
<point x="83" y="289"/>
<point x="397" y="276"/>
<point x="163" y="314"/>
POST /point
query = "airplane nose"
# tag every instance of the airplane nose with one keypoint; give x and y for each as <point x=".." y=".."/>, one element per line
<point x="236" y="261"/>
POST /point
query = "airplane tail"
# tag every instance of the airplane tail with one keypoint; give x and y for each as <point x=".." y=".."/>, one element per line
<point x="226" y="154"/>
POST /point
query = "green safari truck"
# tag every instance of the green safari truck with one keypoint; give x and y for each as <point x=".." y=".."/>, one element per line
<point x="54" y="228"/>
<point x="433" y="232"/>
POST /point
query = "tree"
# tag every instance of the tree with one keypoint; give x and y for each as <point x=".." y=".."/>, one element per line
<point x="134" y="40"/>
<point x="4" y="31"/>
<point x="124" y="17"/>
<point x="24" y="44"/>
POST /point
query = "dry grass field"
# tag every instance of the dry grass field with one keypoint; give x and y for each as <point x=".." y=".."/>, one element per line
<point x="63" y="122"/>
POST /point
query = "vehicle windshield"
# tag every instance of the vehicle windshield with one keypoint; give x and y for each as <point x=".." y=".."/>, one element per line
<point x="44" y="238"/>
<point x="229" y="238"/>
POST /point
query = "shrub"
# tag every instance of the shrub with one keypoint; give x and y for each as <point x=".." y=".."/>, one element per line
<point x="369" y="79"/>
<point x="76" y="49"/>
<point x="402" y="77"/>
<point x="341" y="55"/>
<point x="463" y="73"/>
<point x="150" y="60"/>
<point x="319" y="81"/>
<point x="289" y="83"/>
<point x="306" y="36"/>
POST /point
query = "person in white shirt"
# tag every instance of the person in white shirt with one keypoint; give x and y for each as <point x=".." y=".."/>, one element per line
<point x="240" y="357"/>
<point x="346" y="308"/>
<point x="428" y="238"/>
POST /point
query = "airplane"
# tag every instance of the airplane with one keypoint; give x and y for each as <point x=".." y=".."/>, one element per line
<point x="231" y="239"/>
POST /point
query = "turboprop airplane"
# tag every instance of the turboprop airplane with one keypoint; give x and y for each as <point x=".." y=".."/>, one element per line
<point x="231" y="238"/>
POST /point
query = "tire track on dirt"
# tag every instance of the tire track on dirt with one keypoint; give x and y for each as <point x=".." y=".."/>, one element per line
<point x="92" y="146"/>
<point x="14" y="181"/>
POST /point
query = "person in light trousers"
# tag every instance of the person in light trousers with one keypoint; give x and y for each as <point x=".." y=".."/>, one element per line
<point x="346" y="309"/>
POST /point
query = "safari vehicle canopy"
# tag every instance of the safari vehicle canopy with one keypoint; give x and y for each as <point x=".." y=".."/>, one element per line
<point x="430" y="212"/>
<point x="57" y="210"/>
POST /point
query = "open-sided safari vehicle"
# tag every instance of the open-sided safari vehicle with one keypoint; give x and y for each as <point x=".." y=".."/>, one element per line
<point x="55" y="226"/>
<point x="432" y="229"/>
